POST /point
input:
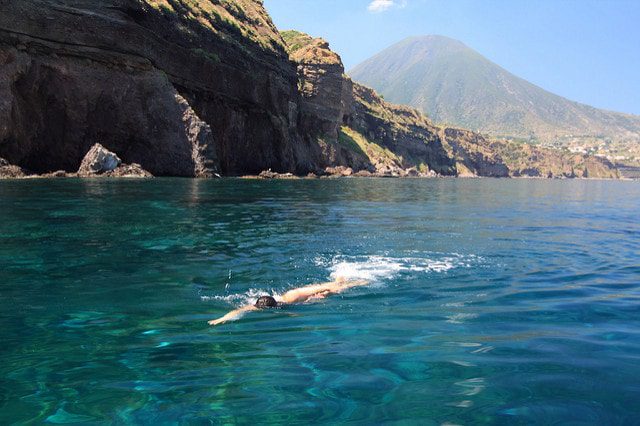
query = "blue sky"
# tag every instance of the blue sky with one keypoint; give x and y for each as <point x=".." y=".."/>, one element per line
<point x="585" y="50"/>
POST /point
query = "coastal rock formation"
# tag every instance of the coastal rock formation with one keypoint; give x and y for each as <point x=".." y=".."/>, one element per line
<point x="524" y="160"/>
<point x="56" y="174"/>
<point x="98" y="161"/>
<point x="375" y="137"/>
<point x="476" y="155"/>
<point x="352" y="125"/>
<point x="472" y="155"/>
<point x="184" y="88"/>
<point x="394" y="137"/>
<point x="8" y="171"/>
<point x="269" y="174"/>
<point x="129" y="171"/>
<point x="321" y="83"/>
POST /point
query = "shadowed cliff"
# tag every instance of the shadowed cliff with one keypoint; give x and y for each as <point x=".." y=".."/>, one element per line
<point x="181" y="87"/>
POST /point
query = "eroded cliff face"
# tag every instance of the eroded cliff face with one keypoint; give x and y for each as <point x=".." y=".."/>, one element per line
<point x="184" y="88"/>
<point x="406" y="138"/>
<point x="472" y="155"/>
<point x="352" y="125"/>
<point x="53" y="111"/>
<point x="325" y="93"/>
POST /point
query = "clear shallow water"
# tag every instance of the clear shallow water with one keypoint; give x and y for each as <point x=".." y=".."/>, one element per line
<point x="492" y="302"/>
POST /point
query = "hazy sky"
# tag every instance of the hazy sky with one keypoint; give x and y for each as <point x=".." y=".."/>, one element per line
<point x="585" y="50"/>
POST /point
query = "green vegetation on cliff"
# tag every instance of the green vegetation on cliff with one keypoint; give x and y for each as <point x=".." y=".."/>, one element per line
<point x="295" y="40"/>
<point x="230" y="19"/>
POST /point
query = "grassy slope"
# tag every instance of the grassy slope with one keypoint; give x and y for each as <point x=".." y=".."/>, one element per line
<point x="228" y="19"/>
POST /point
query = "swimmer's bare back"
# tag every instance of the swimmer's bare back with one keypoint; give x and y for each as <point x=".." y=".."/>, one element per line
<point x="297" y="295"/>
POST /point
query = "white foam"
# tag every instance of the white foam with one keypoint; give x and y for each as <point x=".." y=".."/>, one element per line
<point x="378" y="268"/>
<point x="372" y="268"/>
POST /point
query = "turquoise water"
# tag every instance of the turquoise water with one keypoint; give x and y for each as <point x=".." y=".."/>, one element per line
<point x="491" y="302"/>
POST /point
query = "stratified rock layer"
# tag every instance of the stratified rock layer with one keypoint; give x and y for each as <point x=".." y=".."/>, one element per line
<point x="183" y="88"/>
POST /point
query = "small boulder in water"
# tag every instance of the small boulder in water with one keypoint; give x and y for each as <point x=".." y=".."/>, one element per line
<point x="58" y="174"/>
<point x="133" y="170"/>
<point x="98" y="160"/>
<point x="10" y="171"/>
<point x="268" y="174"/>
<point x="338" y="171"/>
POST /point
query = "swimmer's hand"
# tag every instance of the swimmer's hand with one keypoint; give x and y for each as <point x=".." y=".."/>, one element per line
<point x="319" y="296"/>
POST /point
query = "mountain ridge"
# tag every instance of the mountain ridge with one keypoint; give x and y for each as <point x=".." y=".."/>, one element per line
<point x="453" y="83"/>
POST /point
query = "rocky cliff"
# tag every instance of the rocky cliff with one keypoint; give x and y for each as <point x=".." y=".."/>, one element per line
<point x="476" y="155"/>
<point x="181" y="87"/>
<point x="197" y="88"/>
<point x="352" y="125"/>
<point x="524" y="160"/>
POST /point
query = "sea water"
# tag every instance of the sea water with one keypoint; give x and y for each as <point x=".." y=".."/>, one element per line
<point x="490" y="302"/>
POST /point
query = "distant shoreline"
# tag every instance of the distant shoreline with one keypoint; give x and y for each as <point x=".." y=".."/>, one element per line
<point x="73" y="176"/>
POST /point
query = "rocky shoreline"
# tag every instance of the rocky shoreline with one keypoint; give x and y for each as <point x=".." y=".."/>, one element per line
<point x="98" y="162"/>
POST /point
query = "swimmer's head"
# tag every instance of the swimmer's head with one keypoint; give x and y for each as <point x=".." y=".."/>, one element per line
<point x="266" y="302"/>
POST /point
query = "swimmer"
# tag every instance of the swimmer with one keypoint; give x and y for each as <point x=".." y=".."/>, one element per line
<point x="297" y="295"/>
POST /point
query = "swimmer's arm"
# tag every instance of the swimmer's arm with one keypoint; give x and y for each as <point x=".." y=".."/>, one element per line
<point x="233" y="315"/>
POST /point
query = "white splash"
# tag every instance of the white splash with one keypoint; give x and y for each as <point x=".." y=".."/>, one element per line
<point x="372" y="268"/>
<point x="379" y="268"/>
